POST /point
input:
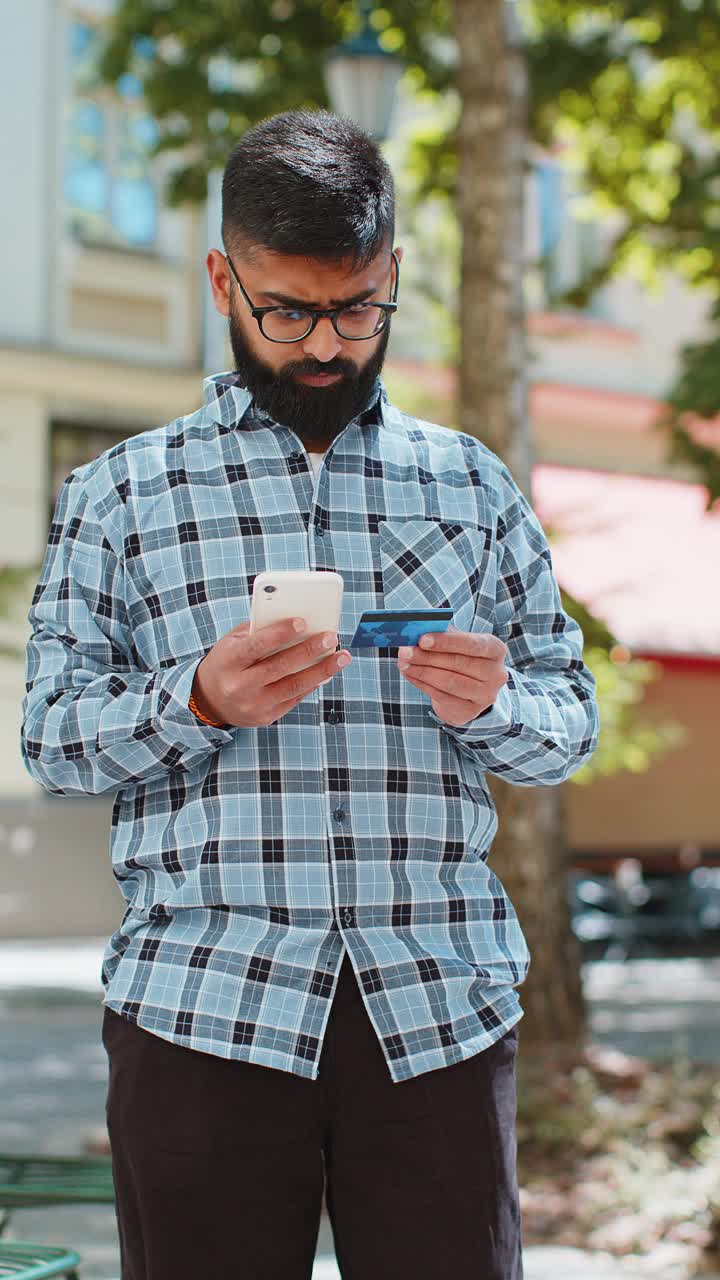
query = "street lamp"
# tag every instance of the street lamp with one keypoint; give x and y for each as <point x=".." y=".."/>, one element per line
<point x="361" y="78"/>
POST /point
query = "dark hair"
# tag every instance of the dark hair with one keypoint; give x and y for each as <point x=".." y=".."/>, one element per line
<point x="310" y="183"/>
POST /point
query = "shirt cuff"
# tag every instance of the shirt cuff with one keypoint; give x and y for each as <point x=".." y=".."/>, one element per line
<point x="494" y="720"/>
<point x="174" y="710"/>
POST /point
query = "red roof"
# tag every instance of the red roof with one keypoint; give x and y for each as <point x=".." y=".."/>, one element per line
<point x="563" y="402"/>
<point x="643" y="554"/>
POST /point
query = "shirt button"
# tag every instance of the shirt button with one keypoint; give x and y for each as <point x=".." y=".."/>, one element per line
<point x="294" y="457"/>
<point x="348" y="917"/>
<point x="339" y="815"/>
<point x="319" y="531"/>
<point x="332" y="717"/>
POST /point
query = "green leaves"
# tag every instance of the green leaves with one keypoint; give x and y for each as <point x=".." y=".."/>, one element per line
<point x="630" y="738"/>
<point x="631" y="90"/>
<point x="17" y="583"/>
<point x="217" y="68"/>
<point x="274" y="55"/>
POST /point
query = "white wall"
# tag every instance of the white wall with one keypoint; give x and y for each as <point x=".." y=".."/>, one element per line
<point x="659" y="325"/>
<point x="26" y="107"/>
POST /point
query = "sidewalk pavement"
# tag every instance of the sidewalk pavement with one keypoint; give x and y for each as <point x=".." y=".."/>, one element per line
<point x="53" y="1073"/>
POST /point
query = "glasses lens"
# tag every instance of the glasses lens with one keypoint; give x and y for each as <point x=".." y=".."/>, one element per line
<point x="286" y="325"/>
<point x="361" y="321"/>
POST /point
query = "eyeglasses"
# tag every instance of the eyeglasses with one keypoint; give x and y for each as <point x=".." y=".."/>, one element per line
<point x="355" y="323"/>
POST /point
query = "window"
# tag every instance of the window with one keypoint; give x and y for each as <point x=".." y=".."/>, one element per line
<point x="563" y="246"/>
<point x="551" y="200"/>
<point x="109" y="185"/>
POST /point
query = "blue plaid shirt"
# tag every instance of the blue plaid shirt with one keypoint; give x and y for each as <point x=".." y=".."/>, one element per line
<point x="251" y="859"/>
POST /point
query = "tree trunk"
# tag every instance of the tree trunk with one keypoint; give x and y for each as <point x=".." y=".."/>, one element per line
<point x="529" y="854"/>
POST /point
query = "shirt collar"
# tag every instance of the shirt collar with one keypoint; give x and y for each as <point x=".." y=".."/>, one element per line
<point x="232" y="404"/>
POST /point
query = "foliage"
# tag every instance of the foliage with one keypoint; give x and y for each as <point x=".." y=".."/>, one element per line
<point x="629" y="92"/>
<point x="628" y="741"/>
<point x="629" y="89"/>
<point x="620" y="1154"/>
<point x="218" y="66"/>
<point x="415" y="398"/>
<point x="16" y="587"/>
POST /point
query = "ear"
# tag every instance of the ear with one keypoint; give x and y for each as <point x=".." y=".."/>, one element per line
<point x="219" y="277"/>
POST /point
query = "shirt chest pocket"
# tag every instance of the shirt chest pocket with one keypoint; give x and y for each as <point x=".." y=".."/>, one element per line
<point x="435" y="564"/>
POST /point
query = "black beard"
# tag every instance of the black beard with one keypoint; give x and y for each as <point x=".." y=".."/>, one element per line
<point x="317" y="414"/>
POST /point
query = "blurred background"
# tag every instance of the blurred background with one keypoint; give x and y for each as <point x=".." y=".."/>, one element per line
<point x="558" y="184"/>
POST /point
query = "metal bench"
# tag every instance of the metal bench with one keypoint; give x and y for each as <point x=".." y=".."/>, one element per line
<point x="36" y="1261"/>
<point x="31" y="1181"/>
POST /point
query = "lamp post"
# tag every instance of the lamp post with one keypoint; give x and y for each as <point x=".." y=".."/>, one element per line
<point x="361" y="78"/>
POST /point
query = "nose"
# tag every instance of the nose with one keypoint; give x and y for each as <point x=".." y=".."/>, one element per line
<point x="323" y="343"/>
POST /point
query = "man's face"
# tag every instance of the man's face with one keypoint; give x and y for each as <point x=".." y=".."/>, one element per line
<point x="317" y="385"/>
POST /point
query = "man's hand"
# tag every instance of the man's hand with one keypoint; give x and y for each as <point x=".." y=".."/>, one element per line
<point x="461" y="671"/>
<point x="240" y="682"/>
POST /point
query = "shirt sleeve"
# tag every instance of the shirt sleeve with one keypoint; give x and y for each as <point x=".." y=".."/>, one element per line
<point x="544" y="722"/>
<point x="92" y="720"/>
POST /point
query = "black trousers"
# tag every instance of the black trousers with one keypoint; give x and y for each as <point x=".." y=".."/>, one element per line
<point x="219" y="1166"/>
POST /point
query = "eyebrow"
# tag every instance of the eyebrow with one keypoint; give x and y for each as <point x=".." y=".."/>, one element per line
<point x="303" y="305"/>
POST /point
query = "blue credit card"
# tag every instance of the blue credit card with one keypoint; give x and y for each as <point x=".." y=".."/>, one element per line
<point x="390" y="628"/>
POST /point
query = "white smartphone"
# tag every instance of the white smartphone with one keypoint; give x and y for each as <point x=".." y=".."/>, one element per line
<point x="312" y="594"/>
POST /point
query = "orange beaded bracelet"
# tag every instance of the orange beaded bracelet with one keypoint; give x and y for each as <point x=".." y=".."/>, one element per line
<point x="197" y="712"/>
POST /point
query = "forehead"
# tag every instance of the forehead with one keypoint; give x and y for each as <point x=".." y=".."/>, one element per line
<point x="311" y="279"/>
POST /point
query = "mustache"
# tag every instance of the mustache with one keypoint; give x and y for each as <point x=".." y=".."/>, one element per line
<point x="308" y="368"/>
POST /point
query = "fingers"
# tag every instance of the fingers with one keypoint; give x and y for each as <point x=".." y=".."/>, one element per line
<point x="266" y="674"/>
<point x="437" y="680"/>
<point x="296" y="657"/>
<point x="473" y="644"/>
<point x="260" y="650"/>
<point x="282" y="709"/>
<point x="254" y="648"/>
<point x="298" y="685"/>
<point x="453" y="672"/>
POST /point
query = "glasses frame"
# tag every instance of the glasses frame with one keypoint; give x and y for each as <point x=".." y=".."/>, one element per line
<point x="332" y="313"/>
